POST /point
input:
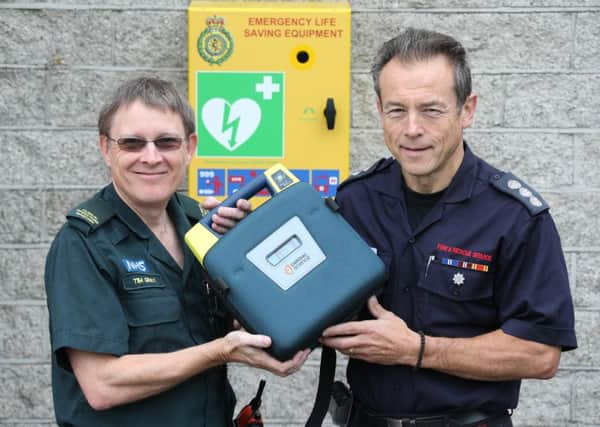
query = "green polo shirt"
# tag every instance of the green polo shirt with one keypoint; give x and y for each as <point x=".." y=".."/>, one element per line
<point x="113" y="288"/>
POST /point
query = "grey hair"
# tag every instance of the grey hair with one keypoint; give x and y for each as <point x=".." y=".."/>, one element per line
<point x="153" y="92"/>
<point x="415" y="45"/>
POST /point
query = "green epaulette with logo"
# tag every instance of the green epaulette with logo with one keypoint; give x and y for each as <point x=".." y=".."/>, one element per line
<point x="191" y="207"/>
<point x="376" y="167"/>
<point x="509" y="184"/>
<point x="90" y="215"/>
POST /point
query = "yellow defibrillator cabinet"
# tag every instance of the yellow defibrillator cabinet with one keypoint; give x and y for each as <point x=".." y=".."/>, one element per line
<point x="269" y="83"/>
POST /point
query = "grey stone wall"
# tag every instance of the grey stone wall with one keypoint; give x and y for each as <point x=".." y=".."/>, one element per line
<point x="536" y="66"/>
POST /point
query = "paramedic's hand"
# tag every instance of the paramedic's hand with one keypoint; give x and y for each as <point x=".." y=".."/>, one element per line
<point x="385" y="340"/>
<point x="242" y="347"/>
<point x="226" y="218"/>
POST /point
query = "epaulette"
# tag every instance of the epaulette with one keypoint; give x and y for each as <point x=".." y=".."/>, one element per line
<point x="516" y="188"/>
<point x="376" y="167"/>
<point x="191" y="207"/>
<point x="90" y="215"/>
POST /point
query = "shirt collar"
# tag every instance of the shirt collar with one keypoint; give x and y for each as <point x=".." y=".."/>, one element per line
<point x="461" y="187"/>
<point x="135" y="223"/>
<point x="177" y="214"/>
<point x="390" y="182"/>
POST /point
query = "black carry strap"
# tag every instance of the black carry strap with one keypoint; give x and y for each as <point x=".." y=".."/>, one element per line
<point x="326" y="376"/>
<point x="326" y="370"/>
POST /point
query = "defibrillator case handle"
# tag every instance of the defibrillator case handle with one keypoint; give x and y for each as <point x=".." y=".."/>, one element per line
<point x="201" y="237"/>
<point x="246" y="192"/>
<point x="275" y="179"/>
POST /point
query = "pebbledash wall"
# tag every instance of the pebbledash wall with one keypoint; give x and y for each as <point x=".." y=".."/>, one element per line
<point x="536" y="66"/>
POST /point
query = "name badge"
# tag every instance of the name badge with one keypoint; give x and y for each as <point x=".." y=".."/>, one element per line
<point x="133" y="282"/>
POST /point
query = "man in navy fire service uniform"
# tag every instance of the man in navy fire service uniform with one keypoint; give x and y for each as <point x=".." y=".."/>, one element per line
<point x="136" y="339"/>
<point x="478" y="295"/>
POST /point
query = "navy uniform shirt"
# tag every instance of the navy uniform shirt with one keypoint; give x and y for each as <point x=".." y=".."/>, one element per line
<point x="113" y="288"/>
<point x="487" y="256"/>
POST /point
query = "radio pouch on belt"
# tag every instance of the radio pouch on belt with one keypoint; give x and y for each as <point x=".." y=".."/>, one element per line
<point x="290" y="269"/>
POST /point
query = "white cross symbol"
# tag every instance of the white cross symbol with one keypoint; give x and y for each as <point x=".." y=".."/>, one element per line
<point x="267" y="87"/>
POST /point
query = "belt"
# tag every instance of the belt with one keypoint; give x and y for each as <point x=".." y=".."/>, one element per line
<point x="467" y="418"/>
<point x="434" y="421"/>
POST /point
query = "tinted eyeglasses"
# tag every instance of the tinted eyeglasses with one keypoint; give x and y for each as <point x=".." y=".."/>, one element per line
<point x="135" y="144"/>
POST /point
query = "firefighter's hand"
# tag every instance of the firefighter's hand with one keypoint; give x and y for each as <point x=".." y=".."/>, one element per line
<point x="242" y="347"/>
<point x="384" y="340"/>
<point x="226" y="218"/>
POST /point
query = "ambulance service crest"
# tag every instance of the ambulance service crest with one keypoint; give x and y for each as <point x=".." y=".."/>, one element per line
<point x="215" y="43"/>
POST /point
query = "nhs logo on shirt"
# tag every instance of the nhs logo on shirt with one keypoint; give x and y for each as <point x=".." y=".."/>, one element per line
<point x="135" y="265"/>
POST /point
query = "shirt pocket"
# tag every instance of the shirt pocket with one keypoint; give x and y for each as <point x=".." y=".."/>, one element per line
<point x="458" y="280"/>
<point x="149" y="310"/>
<point x="455" y="283"/>
<point x="454" y="301"/>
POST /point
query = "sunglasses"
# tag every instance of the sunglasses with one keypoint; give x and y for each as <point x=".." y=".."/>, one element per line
<point x="134" y="144"/>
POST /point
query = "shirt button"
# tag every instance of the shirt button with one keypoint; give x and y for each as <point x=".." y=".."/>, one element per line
<point x="412" y="240"/>
<point x="406" y="289"/>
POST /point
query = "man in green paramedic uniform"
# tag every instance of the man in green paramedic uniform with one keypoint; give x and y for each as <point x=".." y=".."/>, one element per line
<point x="136" y="338"/>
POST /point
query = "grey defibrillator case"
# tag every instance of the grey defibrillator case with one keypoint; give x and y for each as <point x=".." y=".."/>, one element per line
<point x="292" y="267"/>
